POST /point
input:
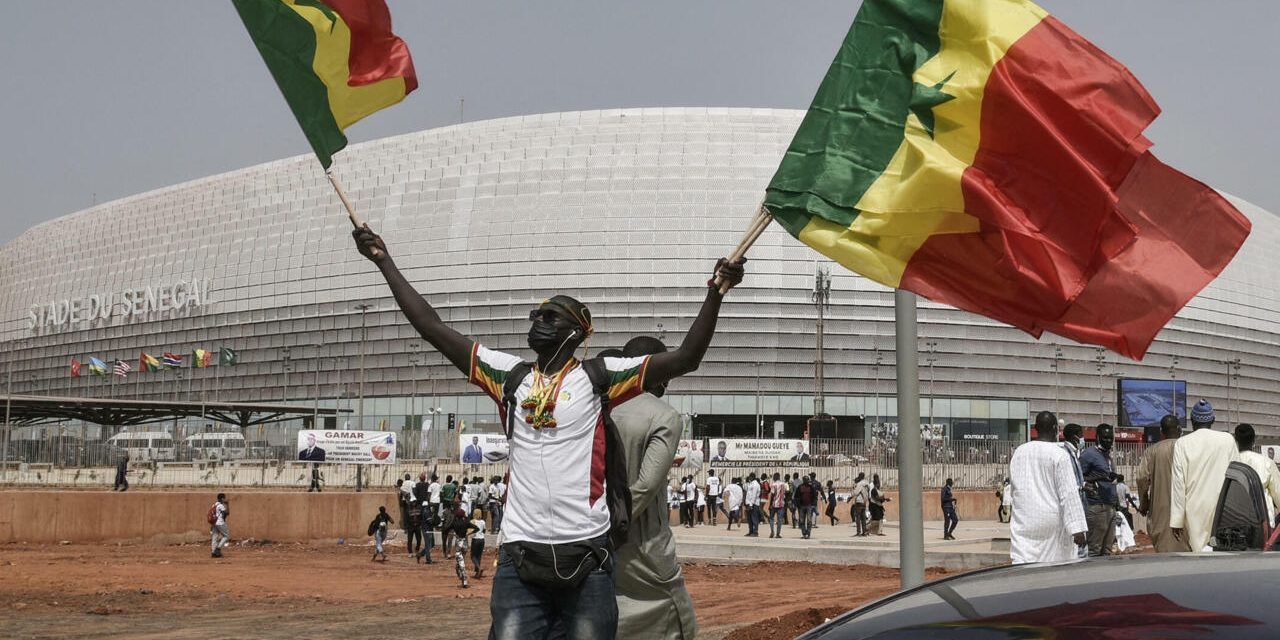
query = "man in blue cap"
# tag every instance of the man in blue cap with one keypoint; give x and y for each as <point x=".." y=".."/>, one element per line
<point x="1200" y="461"/>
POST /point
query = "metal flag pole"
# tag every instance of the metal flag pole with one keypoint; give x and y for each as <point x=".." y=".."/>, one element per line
<point x="910" y="455"/>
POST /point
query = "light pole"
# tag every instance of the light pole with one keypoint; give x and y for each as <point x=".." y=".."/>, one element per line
<point x="759" y="418"/>
<point x="1233" y="366"/>
<point x="8" y="405"/>
<point x="1100" y="359"/>
<point x="821" y="297"/>
<point x="364" y="308"/>
<point x="284" y="355"/>
<point x="1057" y="377"/>
<point x="875" y="389"/>
<point x="414" y="423"/>
<point x="1173" y="387"/>
<point x="315" y="407"/>
<point x="931" y="347"/>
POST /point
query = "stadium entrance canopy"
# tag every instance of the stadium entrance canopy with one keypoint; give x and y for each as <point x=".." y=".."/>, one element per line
<point x="35" y="410"/>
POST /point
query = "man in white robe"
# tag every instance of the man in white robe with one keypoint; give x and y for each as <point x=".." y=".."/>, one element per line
<point x="1200" y="461"/>
<point x="1048" y="524"/>
<point x="1264" y="466"/>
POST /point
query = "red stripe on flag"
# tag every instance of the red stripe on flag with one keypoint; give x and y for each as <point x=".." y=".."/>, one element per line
<point x="376" y="52"/>
<point x="1062" y="127"/>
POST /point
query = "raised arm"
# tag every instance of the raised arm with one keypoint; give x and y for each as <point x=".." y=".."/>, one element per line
<point x="675" y="363"/>
<point x="453" y="345"/>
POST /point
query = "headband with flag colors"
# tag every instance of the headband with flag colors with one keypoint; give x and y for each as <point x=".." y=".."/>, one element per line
<point x="983" y="155"/>
<point x="336" y="61"/>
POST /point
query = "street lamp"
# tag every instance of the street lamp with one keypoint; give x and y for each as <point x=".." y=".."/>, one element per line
<point x="414" y="357"/>
<point x="931" y="347"/>
<point x="1057" y="377"/>
<point x="315" y="400"/>
<point x="284" y="355"/>
<point x="1233" y="363"/>
<point x="1100" y="360"/>
<point x="759" y="417"/>
<point x="876" y="386"/>
<point x="821" y="297"/>
<point x="1173" y="387"/>
<point x="363" y="335"/>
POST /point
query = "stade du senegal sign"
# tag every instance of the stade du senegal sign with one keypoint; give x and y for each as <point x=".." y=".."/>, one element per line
<point x="146" y="303"/>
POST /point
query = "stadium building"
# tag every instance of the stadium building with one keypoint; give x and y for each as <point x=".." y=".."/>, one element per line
<point x="624" y="209"/>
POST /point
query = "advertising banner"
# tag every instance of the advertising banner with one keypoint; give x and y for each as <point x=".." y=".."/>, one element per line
<point x="750" y="452"/>
<point x="688" y="455"/>
<point x="477" y="448"/>
<point x="347" y="446"/>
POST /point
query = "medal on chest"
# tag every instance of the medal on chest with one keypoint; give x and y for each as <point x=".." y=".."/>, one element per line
<point x="540" y="404"/>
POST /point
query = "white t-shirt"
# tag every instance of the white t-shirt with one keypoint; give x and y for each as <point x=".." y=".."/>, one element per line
<point x="557" y="482"/>
<point x="435" y="492"/>
<point x="702" y="498"/>
<point x="713" y="486"/>
<point x="220" y="514"/>
<point x="752" y="498"/>
<point x="479" y="534"/>
<point x="690" y="490"/>
<point x="496" y="490"/>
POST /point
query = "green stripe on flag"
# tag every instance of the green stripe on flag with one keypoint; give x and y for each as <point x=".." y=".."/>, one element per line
<point x="858" y="117"/>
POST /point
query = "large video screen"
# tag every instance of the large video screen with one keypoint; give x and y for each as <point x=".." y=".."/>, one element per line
<point x="1144" y="402"/>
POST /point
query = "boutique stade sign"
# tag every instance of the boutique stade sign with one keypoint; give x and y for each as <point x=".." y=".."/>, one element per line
<point x="130" y="305"/>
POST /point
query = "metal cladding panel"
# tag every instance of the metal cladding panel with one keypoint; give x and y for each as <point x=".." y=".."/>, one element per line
<point x="626" y="209"/>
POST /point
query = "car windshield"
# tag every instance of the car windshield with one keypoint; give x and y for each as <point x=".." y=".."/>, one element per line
<point x="1189" y="596"/>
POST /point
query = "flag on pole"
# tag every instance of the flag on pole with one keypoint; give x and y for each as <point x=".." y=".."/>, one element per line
<point x="171" y="360"/>
<point x="227" y="356"/>
<point x="75" y="368"/>
<point x="97" y="367"/>
<point x="122" y="369"/>
<point x="336" y="61"/>
<point x="147" y="362"/>
<point x="201" y="358"/>
<point x="983" y="155"/>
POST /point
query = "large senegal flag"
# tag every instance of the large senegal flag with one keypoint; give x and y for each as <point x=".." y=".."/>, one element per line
<point x="336" y="61"/>
<point x="983" y="155"/>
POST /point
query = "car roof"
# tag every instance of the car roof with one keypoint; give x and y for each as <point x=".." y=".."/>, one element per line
<point x="1232" y="594"/>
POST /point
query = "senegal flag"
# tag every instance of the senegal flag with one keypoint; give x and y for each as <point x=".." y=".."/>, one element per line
<point x="336" y="61"/>
<point x="983" y="155"/>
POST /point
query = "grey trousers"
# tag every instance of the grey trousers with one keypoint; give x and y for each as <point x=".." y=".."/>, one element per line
<point x="1102" y="529"/>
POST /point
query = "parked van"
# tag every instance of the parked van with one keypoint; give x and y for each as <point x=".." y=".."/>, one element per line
<point x="216" y="446"/>
<point x="144" y="445"/>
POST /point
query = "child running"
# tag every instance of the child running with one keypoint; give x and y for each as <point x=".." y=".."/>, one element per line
<point x="378" y="528"/>
<point x="460" y="528"/>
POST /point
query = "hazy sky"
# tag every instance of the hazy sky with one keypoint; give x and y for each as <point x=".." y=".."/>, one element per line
<point x="106" y="99"/>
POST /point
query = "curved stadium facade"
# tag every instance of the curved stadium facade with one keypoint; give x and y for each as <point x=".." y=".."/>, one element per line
<point x="624" y="209"/>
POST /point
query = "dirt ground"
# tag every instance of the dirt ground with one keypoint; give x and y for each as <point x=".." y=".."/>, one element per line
<point x="333" y="591"/>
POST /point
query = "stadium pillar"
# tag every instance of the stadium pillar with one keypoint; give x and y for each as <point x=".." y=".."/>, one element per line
<point x="910" y="452"/>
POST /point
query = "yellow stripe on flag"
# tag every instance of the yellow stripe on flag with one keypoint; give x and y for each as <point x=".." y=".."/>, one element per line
<point x="919" y="194"/>
<point x="333" y="49"/>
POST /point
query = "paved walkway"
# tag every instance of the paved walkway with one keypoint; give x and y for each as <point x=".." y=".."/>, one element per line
<point x="977" y="544"/>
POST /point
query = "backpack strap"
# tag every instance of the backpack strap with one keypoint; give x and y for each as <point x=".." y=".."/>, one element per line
<point x="515" y="376"/>
<point x="617" y="484"/>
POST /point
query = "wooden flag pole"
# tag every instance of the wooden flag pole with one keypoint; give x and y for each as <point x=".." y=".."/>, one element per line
<point x="754" y="230"/>
<point x="351" y="211"/>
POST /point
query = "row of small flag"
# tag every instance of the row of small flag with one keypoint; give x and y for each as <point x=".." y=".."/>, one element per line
<point x="200" y="358"/>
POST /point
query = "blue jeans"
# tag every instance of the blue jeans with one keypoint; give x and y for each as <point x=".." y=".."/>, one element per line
<point x="776" y="516"/>
<point x="807" y="515"/>
<point x="753" y="519"/>
<point x="379" y="537"/>
<point x="523" y="611"/>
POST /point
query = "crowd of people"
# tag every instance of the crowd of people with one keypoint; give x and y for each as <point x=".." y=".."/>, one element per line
<point x="777" y="500"/>
<point x="1067" y="500"/>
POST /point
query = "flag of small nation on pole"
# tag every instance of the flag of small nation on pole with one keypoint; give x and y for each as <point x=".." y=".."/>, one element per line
<point x="75" y="368"/>
<point x="122" y="369"/>
<point x="172" y="360"/>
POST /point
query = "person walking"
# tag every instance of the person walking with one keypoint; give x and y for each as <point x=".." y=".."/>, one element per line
<point x="858" y="512"/>
<point x="428" y="522"/>
<point x="734" y="497"/>
<point x="1266" y="469"/>
<point x="751" y="502"/>
<point x="220" y="535"/>
<point x="877" y="502"/>
<point x="1200" y="461"/>
<point x="1154" y="480"/>
<point x="949" y="517"/>
<point x="477" y="542"/>
<point x="701" y="504"/>
<point x="497" y="492"/>
<point x="831" y="503"/>
<point x="378" y="528"/>
<point x="777" y="507"/>
<point x="1048" y="523"/>
<point x="714" y="503"/>
<point x="122" y="473"/>
<point x="1100" y="492"/>
<point x="1005" y="493"/>
<point x="315" y="478"/>
<point x="806" y="499"/>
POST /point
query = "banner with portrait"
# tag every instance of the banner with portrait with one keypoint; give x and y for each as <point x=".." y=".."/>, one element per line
<point x="348" y="446"/>
<point x="689" y="455"/>
<point x="481" y="448"/>
<point x="751" y="452"/>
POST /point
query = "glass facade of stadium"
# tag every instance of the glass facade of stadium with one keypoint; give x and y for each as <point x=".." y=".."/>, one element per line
<point x="626" y="210"/>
